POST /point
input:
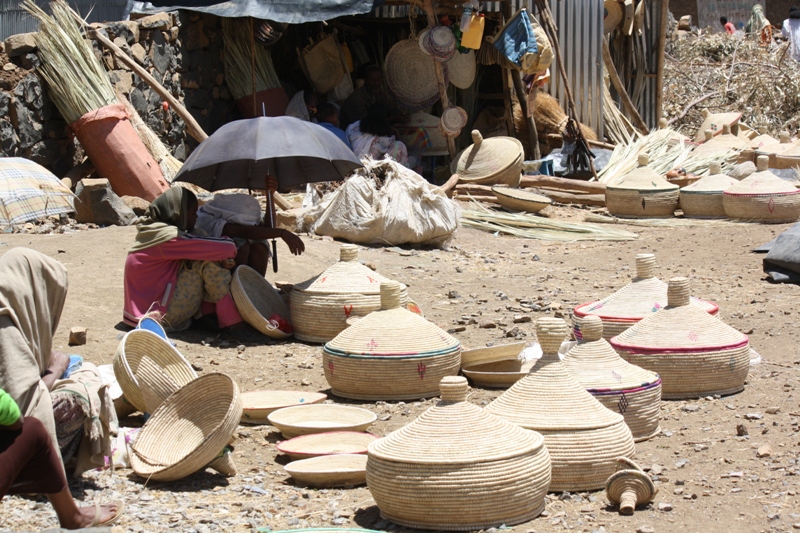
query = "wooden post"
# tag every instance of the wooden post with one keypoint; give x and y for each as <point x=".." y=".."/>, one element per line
<point x="627" y="104"/>
<point x="533" y="135"/>
<point x="662" y="42"/>
<point x="427" y="5"/>
<point x="509" y="104"/>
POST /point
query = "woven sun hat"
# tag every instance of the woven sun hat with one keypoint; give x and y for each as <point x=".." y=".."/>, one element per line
<point x="319" y="418"/>
<point x="695" y="354"/>
<point x="321" y="305"/>
<point x="328" y="443"/>
<point x="422" y="40"/>
<point x="496" y="160"/>
<point x="189" y="430"/>
<point x="440" y="43"/>
<point x="612" y="15"/>
<point x="497" y="374"/>
<point x="703" y="198"/>
<point x="258" y="302"/>
<point x="642" y="193"/>
<point x="461" y="69"/>
<point x="520" y="199"/>
<point x="411" y="76"/>
<point x="643" y="296"/>
<point x="257" y="405"/>
<point x="584" y="438"/>
<point x="633" y="392"/>
<point x="763" y="197"/>
<point x="391" y="354"/>
<point x="453" y="120"/>
<point x="148" y="369"/>
<point x="715" y="122"/>
<point x="328" y="471"/>
<point x="457" y="467"/>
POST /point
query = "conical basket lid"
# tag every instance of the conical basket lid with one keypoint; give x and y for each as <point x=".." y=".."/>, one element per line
<point x="643" y="296"/>
<point x="487" y="157"/>
<point x="454" y="431"/>
<point x="644" y="178"/>
<point x="345" y="276"/>
<point x="394" y="330"/>
<point x="727" y="141"/>
<point x="679" y="327"/>
<point x="595" y="364"/>
<point x="549" y="398"/>
<point x="713" y="183"/>
<point x="766" y="143"/>
<point x="762" y="182"/>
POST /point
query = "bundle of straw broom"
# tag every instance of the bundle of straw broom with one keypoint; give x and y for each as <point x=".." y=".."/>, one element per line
<point x="239" y="45"/>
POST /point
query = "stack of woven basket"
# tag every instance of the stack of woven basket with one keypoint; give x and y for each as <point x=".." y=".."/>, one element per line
<point x="763" y="197"/>
<point x="457" y="467"/>
<point x="391" y="354"/>
<point x="642" y="193"/>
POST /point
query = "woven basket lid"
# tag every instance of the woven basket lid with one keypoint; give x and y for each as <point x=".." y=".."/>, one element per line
<point x="454" y="431"/>
<point x="486" y="157"/>
<point x="411" y="76"/>
<point x="715" y="123"/>
<point x="595" y="364"/>
<point x="715" y="182"/>
<point x="549" y="398"/>
<point x="612" y="15"/>
<point x="440" y="43"/>
<point x="768" y="143"/>
<point x="643" y="296"/>
<point x="679" y="327"/>
<point x="346" y="276"/>
<point x="762" y="182"/>
<point x="461" y="69"/>
<point x="643" y="178"/>
<point x="394" y="330"/>
<point x="725" y="140"/>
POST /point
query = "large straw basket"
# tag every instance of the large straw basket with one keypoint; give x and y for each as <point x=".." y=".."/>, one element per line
<point x="411" y="76"/>
<point x="326" y="471"/>
<point x="327" y="443"/>
<point x="309" y="419"/>
<point x="643" y="296"/>
<point x="703" y="198"/>
<point x="497" y="374"/>
<point x="457" y="467"/>
<point x="520" y="199"/>
<point x="763" y="197"/>
<point x="695" y="354"/>
<point x="633" y="392"/>
<point x="257" y="300"/>
<point x="642" y="193"/>
<point x="392" y="354"/>
<point x="321" y="305"/>
<point x="258" y="404"/>
<point x="584" y="438"/>
<point x="490" y="354"/>
<point x="496" y="160"/>
<point x="188" y="431"/>
<point x="164" y="369"/>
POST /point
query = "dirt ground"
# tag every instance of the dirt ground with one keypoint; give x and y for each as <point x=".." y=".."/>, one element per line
<point x="709" y="479"/>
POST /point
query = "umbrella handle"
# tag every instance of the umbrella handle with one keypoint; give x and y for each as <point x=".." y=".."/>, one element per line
<point x="271" y="207"/>
<point x="274" y="256"/>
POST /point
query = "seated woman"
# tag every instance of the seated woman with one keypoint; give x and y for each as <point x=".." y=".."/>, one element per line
<point x="303" y="105"/>
<point x="373" y="136"/>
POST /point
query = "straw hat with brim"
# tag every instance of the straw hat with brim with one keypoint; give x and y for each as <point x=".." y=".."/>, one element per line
<point x="321" y="305"/>
<point x="502" y="471"/>
<point x="633" y="392"/>
<point x="319" y="418"/>
<point x="496" y="160"/>
<point x="440" y="43"/>
<point x="763" y="197"/>
<point x="520" y="200"/>
<point x="257" y="300"/>
<point x="453" y="120"/>
<point x="612" y="15"/>
<point x="643" y="296"/>
<point x="411" y="76"/>
<point x="715" y="122"/>
<point x="584" y="438"/>
<point x="188" y="431"/>
<point x="328" y="471"/>
<point x="642" y="193"/>
<point x="257" y="405"/>
<point x="391" y="354"/>
<point x="421" y="39"/>
<point x="703" y="198"/>
<point x="695" y="354"/>
<point x="327" y="443"/>
<point x="164" y="369"/>
<point x="461" y="69"/>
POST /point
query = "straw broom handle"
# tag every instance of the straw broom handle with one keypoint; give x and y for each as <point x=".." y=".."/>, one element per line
<point x="623" y="94"/>
<point x="427" y="5"/>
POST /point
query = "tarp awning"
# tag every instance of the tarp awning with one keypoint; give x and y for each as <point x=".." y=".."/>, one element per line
<point x="288" y="11"/>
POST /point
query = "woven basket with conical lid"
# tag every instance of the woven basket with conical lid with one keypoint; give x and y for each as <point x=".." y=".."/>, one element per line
<point x="642" y="192"/>
<point x="643" y="296"/>
<point x="763" y="197"/>
<point x="633" y="392"/>
<point x="457" y="467"/>
<point x="694" y="353"/>
<point x="391" y="354"/>
<point x="321" y="305"/>
<point x="583" y="437"/>
<point x="721" y="143"/>
<point x="703" y="198"/>
<point x="496" y="160"/>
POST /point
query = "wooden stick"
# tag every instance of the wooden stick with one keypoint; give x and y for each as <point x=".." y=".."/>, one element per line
<point x="662" y="43"/>
<point x="450" y="184"/>
<point x="691" y="105"/>
<point x="427" y="5"/>
<point x="599" y="144"/>
<point x="566" y="184"/>
<point x="484" y="191"/>
<point x="533" y="135"/>
<point x="613" y="75"/>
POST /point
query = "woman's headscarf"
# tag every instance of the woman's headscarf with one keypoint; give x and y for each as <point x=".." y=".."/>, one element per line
<point x="165" y="219"/>
<point x="757" y="20"/>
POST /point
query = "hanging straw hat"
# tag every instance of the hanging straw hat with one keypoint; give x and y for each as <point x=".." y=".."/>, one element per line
<point x="461" y="69"/>
<point x="411" y="76"/>
<point x="457" y="467"/>
<point x="422" y="37"/>
<point x="703" y="198"/>
<point x="633" y="392"/>
<point x="391" y="354"/>
<point x="189" y="430"/>
<point x="643" y="296"/>
<point x="642" y="193"/>
<point x="496" y="160"/>
<point x="453" y="120"/>
<point x="258" y="301"/>
<point x="763" y="197"/>
<point x="440" y="43"/>
<point x="612" y="15"/>
<point x="695" y="354"/>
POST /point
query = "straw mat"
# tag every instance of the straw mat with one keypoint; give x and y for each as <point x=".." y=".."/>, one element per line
<point x="319" y="418"/>
<point x="257" y="300"/>
<point x="461" y="69"/>
<point x="344" y="470"/>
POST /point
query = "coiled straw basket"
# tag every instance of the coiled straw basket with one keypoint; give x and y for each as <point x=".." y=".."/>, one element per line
<point x="496" y="160"/>
<point x="457" y="467"/>
<point x="694" y="353"/>
<point x="189" y="430"/>
<point x="148" y="369"/>
<point x="703" y="198"/>
<point x="642" y="193"/>
<point x="257" y="300"/>
<point x="763" y="197"/>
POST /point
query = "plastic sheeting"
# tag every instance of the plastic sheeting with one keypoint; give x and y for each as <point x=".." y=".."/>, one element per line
<point x="289" y="11"/>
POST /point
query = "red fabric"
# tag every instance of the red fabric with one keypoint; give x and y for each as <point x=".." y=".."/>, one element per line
<point x="29" y="462"/>
<point x="730" y="28"/>
<point x="150" y="274"/>
<point x="225" y="309"/>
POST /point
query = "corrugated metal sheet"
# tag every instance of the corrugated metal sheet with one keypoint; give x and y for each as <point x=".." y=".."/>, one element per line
<point x="647" y="101"/>
<point x="14" y="20"/>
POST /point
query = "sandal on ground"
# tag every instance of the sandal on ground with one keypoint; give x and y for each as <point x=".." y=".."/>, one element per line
<point x="97" y="523"/>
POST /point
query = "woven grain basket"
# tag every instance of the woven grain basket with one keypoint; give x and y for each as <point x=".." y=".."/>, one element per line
<point x="457" y="467"/>
<point x="258" y="404"/>
<point x="583" y="437"/>
<point x="320" y="418"/>
<point x="392" y="354"/>
<point x="327" y="443"/>
<point x="164" y="371"/>
<point x="763" y="197"/>
<point x="695" y="354"/>
<point x="642" y="193"/>
<point x="703" y="198"/>
<point x="326" y="471"/>
<point x="188" y="431"/>
<point x="520" y="199"/>
<point x="643" y="296"/>
<point x="257" y="300"/>
<point x="496" y="160"/>
<point x="633" y="392"/>
<point x="321" y="305"/>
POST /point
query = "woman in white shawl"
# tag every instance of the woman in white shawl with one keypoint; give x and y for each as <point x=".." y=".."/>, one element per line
<point x="303" y="105"/>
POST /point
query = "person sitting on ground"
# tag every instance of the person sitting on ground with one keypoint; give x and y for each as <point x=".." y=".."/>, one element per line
<point x="303" y="105"/>
<point x="730" y="29"/>
<point x="791" y="31"/>
<point x="328" y="117"/>
<point x="373" y="136"/>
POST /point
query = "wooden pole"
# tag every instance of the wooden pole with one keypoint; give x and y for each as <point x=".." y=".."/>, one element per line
<point x="509" y="104"/>
<point x="662" y="42"/>
<point x="533" y="135"/>
<point x="627" y="104"/>
<point x="427" y="5"/>
<point x="253" y="64"/>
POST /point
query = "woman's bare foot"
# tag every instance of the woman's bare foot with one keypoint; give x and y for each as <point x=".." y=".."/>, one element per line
<point x="86" y="516"/>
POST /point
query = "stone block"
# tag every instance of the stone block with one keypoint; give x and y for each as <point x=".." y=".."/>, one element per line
<point x="122" y="80"/>
<point x="133" y="27"/>
<point x="77" y="336"/>
<point x="30" y="61"/>
<point x="137" y="205"/>
<point x="19" y="44"/>
<point x="4" y="101"/>
<point x="161" y="21"/>
<point x="8" y="139"/>
<point x="44" y="152"/>
<point x="24" y="120"/>
<point x="685" y="23"/>
<point x="289" y="220"/>
<point x="122" y="44"/>
<point x="138" y="53"/>
<point x="97" y="203"/>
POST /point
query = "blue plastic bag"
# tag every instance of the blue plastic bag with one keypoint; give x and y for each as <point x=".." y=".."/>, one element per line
<point x="517" y="39"/>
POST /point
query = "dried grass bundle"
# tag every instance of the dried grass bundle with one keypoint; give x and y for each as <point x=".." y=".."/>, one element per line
<point x="237" y="36"/>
